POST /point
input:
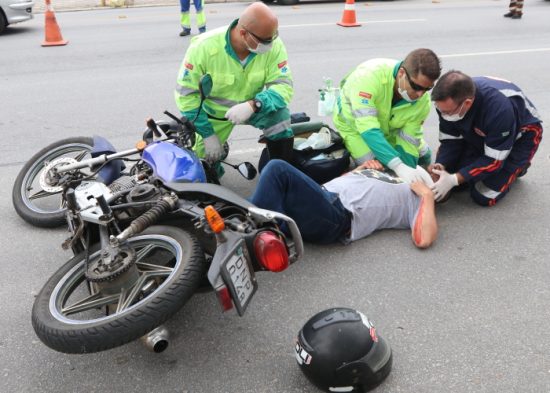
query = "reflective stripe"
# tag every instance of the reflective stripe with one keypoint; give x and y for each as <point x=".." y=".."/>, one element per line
<point x="280" y="82"/>
<point x="443" y="136"/>
<point x="364" y="158"/>
<point x="364" y="112"/>
<point x="185" y="91"/>
<point x="486" y="191"/>
<point x="408" y="138"/>
<point x="511" y="93"/>
<point x="349" y="7"/>
<point x="424" y="150"/>
<point x="496" y="154"/>
<point x="277" y="128"/>
<point x="223" y="101"/>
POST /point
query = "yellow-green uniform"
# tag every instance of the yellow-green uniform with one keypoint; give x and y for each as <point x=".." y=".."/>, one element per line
<point x="373" y="127"/>
<point x="265" y="77"/>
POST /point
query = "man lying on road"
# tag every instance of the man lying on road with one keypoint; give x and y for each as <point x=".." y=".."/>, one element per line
<point x="349" y="207"/>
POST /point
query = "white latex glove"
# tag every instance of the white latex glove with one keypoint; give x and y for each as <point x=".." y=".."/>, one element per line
<point x="409" y="175"/>
<point x="445" y="183"/>
<point x="212" y="148"/>
<point x="239" y="113"/>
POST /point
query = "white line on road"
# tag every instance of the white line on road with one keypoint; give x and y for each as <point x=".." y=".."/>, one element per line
<point x="502" y="52"/>
<point x="365" y="22"/>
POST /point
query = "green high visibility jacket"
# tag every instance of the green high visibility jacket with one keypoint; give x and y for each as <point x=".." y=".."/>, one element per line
<point x="391" y="132"/>
<point x="265" y="77"/>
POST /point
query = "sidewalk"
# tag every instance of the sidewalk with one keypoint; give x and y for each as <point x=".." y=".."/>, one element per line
<point x="73" y="5"/>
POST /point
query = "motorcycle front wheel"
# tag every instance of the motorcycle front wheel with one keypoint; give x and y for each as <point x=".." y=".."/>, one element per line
<point x="46" y="207"/>
<point x="73" y="315"/>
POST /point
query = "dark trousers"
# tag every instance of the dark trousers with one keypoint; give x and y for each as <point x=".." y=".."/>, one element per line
<point x="318" y="213"/>
<point x="493" y="188"/>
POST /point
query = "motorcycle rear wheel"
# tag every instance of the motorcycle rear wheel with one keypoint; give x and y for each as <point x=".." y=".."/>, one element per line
<point x="67" y="318"/>
<point x="31" y="202"/>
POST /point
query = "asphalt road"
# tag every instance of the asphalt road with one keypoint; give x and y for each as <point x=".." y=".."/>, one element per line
<point x="471" y="314"/>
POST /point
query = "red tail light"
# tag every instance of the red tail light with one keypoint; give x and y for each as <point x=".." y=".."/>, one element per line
<point x="225" y="298"/>
<point x="271" y="251"/>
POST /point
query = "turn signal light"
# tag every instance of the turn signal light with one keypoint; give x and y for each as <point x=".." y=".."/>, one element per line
<point x="271" y="251"/>
<point x="214" y="219"/>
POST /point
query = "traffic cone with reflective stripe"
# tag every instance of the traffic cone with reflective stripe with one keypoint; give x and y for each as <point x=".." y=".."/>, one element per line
<point x="53" y="34"/>
<point x="348" y="18"/>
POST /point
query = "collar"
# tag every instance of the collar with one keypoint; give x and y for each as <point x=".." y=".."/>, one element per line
<point x="229" y="49"/>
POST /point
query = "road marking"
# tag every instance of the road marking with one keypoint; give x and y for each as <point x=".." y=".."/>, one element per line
<point x="365" y="22"/>
<point x="502" y="52"/>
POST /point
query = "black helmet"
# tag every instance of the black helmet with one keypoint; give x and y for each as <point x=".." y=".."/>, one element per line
<point x="339" y="351"/>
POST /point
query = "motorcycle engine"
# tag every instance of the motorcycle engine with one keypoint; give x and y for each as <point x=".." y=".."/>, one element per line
<point x="142" y="193"/>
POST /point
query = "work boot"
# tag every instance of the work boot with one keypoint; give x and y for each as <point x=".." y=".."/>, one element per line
<point x="185" y="32"/>
<point x="516" y="16"/>
<point x="202" y="30"/>
<point x="509" y="14"/>
<point x="524" y="170"/>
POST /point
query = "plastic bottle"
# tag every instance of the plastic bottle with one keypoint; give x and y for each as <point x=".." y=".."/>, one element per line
<point x="330" y="98"/>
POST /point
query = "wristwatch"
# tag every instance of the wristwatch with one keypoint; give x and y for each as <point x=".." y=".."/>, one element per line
<point x="257" y="106"/>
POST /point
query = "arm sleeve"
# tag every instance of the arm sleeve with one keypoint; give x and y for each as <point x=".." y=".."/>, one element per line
<point x="187" y="90"/>
<point x="501" y="134"/>
<point x="278" y="83"/>
<point x="451" y="145"/>
<point x="409" y="141"/>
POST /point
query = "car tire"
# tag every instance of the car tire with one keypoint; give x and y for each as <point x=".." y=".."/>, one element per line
<point x="3" y="21"/>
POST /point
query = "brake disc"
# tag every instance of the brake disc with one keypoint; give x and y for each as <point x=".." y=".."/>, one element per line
<point x="48" y="179"/>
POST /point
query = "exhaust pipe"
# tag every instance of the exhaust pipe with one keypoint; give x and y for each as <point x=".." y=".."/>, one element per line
<point x="156" y="340"/>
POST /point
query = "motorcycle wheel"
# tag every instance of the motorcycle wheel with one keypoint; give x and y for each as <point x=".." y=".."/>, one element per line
<point x="31" y="202"/>
<point x="72" y="315"/>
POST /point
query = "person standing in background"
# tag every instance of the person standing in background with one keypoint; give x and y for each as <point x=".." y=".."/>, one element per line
<point x="516" y="9"/>
<point x="185" y="19"/>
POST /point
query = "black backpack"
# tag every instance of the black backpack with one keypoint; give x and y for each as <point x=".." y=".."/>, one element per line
<point x="333" y="162"/>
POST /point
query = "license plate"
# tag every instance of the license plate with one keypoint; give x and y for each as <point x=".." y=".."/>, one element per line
<point x="239" y="277"/>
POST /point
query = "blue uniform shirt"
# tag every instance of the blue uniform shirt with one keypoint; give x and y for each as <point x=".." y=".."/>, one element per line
<point x="490" y="127"/>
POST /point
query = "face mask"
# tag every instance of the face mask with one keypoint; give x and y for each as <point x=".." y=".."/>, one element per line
<point x="455" y="117"/>
<point x="403" y="93"/>
<point x="261" y="48"/>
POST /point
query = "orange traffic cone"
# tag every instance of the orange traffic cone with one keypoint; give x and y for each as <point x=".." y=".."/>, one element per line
<point x="348" y="18"/>
<point x="53" y="34"/>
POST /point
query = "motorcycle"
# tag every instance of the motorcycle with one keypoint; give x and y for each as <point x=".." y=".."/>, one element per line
<point x="144" y="243"/>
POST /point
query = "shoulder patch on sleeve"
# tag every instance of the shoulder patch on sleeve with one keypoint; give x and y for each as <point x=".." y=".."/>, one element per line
<point x="282" y="64"/>
<point x="189" y="66"/>
<point x="365" y="95"/>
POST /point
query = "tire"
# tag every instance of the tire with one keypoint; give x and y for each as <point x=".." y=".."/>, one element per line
<point x="97" y="330"/>
<point x="3" y="22"/>
<point x="46" y="211"/>
<point x="288" y="2"/>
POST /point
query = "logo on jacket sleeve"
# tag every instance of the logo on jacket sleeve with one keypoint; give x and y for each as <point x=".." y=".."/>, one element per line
<point x="283" y="66"/>
<point x="479" y="132"/>
<point x="365" y="95"/>
<point x="189" y="66"/>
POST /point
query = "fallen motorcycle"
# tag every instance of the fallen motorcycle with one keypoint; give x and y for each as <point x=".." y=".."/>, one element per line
<point x="144" y="243"/>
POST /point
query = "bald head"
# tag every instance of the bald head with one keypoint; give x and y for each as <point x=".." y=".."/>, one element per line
<point x="259" y="19"/>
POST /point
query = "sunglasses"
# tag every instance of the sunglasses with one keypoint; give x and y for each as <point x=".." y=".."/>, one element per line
<point x="262" y="40"/>
<point x="415" y="86"/>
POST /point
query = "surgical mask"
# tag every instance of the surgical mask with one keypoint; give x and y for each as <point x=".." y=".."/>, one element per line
<point x="455" y="117"/>
<point x="261" y="48"/>
<point x="403" y="93"/>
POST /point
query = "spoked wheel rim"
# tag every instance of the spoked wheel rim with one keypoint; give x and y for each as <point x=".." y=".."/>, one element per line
<point x="39" y="200"/>
<point x="75" y="301"/>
